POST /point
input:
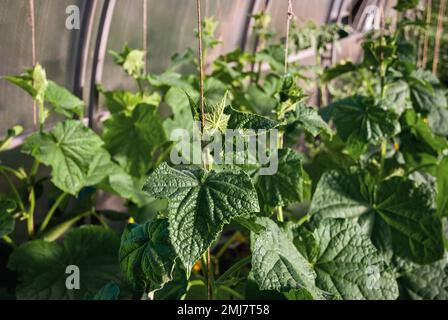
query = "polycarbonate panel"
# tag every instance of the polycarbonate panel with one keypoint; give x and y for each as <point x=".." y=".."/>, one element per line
<point x="171" y="26"/>
<point x="304" y="11"/>
<point x="55" y="50"/>
<point x="127" y="27"/>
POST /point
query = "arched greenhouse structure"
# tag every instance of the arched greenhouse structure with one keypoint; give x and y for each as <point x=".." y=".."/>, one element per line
<point x="223" y="150"/>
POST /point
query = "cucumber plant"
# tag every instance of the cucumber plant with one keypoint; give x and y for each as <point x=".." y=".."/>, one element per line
<point x="355" y="210"/>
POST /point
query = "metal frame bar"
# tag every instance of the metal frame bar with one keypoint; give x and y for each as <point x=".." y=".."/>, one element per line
<point x="82" y="52"/>
<point x="99" y="56"/>
<point x="246" y="28"/>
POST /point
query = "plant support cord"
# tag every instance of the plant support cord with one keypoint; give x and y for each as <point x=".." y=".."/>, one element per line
<point x="426" y="40"/>
<point x="33" y="52"/>
<point x="145" y="34"/>
<point x="201" y="64"/>
<point x="290" y="15"/>
<point x="438" y="36"/>
<point x="201" y="84"/>
<point x="288" y="26"/>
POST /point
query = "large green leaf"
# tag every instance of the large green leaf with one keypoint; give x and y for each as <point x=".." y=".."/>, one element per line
<point x="109" y="292"/>
<point x="287" y="185"/>
<point x="169" y="79"/>
<point x="419" y="128"/>
<point x="427" y="282"/>
<point x="307" y="118"/>
<point x="146" y="255"/>
<point x="105" y="174"/>
<point x="406" y="209"/>
<point x="438" y="121"/>
<point x="277" y="264"/>
<point x="100" y="168"/>
<point x="180" y="106"/>
<point x="7" y="222"/>
<point x="41" y="265"/>
<point x="418" y="145"/>
<point x="69" y="149"/>
<point x="63" y="101"/>
<point x="274" y="55"/>
<point x="125" y="101"/>
<point x="132" y="140"/>
<point x="341" y="194"/>
<point x="33" y="81"/>
<point x="259" y="101"/>
<point x="245" y="120"/>
<point x="360" y="121"/>
<point x="348" y="265"/>
<point x="397" y="97"/>
<point x="338" y="70"/>
<point x="409" y="212"/>
<point x="200" y="203"/>
<point x="425" y="93"/>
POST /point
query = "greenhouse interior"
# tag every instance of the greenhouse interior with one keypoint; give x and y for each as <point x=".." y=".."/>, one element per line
<point x="224" y="150"/>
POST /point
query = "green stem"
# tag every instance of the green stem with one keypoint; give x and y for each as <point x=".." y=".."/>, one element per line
<point x="140" y="86"/>
<point x="236" y="267"/>
<point x="191" y="284"/>
<point x="9" y="241"/>
<point x="34" y="170"/>
<point x="18" y="174"/>
<point x="57" y="231"/>
<point x="14" y="191"/>
<point x="210" y="275"/>
<point x="30" y="217"/>
<point x="383" y="153"/>
<point x="232" y="292"/>
<point x="323" y="90"/>
<point x="101" y="220"/>
<point x="280" y="146"/>
<point x="195" y="283"/>
<point x="227" y="244"/>
<point x="42" y="116"/>
<point x="52" y="211"/>
<point x="201" y="56"/>
<point x="304" y="219"/>
<point x="280" y="214"/>
<point x="32" y="197"/>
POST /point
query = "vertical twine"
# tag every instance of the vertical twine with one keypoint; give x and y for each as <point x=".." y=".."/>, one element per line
<point x="382" y="26"/>
<point x="426" y="40"/>
<point x="201" y="63"/>
<point x="419" y="35"/>
<point x="201" y="76"/>
<point x="33" y="51"/>
<point x="145" y="34"/>
<point x="438" y="36"/>
<point x="290" y="14"/>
